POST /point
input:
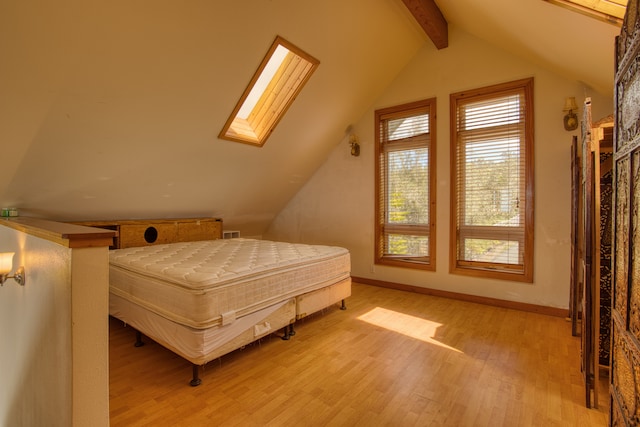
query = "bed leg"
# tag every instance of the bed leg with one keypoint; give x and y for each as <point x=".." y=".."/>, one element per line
<point x="343" y="306"/>
<point x="288" y="332"/>
<point x="195" y="381"/>
<point x="139" y="342"/>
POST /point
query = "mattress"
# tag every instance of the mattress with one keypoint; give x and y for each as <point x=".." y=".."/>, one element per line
<point x="214" y="282"/>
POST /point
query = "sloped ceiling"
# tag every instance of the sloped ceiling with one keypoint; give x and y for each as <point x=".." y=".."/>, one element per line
<point x="112" y="109"/>
<point x="570" y="44"/>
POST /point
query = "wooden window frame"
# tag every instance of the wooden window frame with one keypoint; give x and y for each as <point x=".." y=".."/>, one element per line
<point x="383" y="227"/>
<point x="514" y="272"/>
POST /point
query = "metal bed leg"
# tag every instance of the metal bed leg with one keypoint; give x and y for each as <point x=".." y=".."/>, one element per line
<point x="195" y="381"/>
<point x="288" y="332"/>
<point x="343" y="306"/>
<point x="139" y="342"/>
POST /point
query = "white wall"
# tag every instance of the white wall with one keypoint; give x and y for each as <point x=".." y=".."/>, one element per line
<point x="54" y="338"/>
<point x="337" y="205"/>
<point x="35" y="354"/>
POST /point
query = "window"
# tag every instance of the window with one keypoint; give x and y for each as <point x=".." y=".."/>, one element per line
<point x="279" y="79"/>
<point x="492" y="182"/>
<point x="405" y="185"/>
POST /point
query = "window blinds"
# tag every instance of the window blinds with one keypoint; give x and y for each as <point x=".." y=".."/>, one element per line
<point x="490" y="180"/>
<point x="405" y="183"/>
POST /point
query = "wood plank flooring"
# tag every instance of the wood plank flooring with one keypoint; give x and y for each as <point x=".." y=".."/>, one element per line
<point x="393" y="358"/>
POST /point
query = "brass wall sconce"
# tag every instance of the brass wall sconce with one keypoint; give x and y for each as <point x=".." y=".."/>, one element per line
<point x="355" y="146"/>
<point x="570" y="118"/>
<point x="6" y="264"/>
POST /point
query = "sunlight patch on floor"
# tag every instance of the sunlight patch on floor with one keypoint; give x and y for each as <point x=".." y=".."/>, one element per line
<point x="411" y="326"/>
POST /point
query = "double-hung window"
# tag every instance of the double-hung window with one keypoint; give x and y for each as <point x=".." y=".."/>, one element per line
<point x="492" y="182"/>
<point x="405" y="185"/>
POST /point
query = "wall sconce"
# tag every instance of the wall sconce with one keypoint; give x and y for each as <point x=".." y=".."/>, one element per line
<point x="570" y="118"/>
<point x="355" y="146"/>
<point x="6" y="264"/>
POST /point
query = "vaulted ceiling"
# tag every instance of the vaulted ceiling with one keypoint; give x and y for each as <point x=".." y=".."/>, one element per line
<point x="112" y="109"/>
<point x="568" y="43"/>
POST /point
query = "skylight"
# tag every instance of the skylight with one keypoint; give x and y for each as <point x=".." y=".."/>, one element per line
<point x="611" y="11"/>
<point x="280" y="77"/>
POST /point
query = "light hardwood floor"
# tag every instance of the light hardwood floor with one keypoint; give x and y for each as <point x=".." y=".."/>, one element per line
<point x="393" y="358"/>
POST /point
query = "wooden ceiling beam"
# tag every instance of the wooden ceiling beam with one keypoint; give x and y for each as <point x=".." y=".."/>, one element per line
<point x="430" y="18"/>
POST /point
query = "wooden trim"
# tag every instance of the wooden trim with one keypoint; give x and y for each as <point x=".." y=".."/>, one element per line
<point x="99" y="223"/>
<point x="419" y="263"/>
<point x="65" y="234"/>
<point x="513" y="305"/>
<point x="479" y="270"/>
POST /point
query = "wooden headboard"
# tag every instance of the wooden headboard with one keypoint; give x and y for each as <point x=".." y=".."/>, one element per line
<point x="147" y="232"/>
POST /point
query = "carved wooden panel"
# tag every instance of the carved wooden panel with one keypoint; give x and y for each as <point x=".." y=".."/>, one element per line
<point x="622" y="238"/>
<point x="625" y="356"/>
<point x="627" y="33"/>
<point x="626" y="377"/>
<point x="617" y="419"/>
<point x="606" y="214"/>
<point x="634" y="285"/>
<point x="629" y="94"/>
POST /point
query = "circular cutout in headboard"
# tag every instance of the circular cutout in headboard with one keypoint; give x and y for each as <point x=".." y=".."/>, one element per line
<point x="150" y="235"/>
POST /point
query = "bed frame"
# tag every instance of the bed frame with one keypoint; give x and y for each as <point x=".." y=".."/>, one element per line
<point x="138" y="233"/>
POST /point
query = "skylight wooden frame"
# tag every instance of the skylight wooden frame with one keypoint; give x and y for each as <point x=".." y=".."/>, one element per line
<point x="608" y="11"/>
<point x="275" y="97"/>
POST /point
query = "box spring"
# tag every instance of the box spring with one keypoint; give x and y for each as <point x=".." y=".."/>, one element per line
<point x="200" y="346"/>
<point x="311" y="302"/>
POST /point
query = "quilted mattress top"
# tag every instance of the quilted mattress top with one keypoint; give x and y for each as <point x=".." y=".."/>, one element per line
<point x="195" y="283"/>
